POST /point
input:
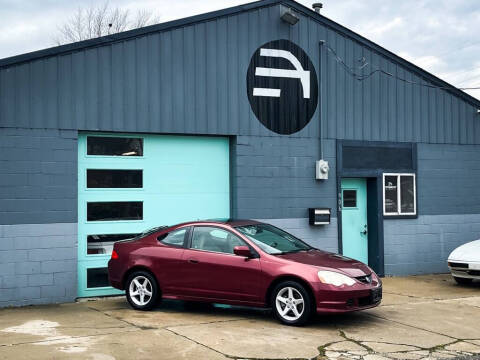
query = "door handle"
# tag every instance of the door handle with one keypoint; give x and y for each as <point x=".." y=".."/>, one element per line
<point x="364" y="231"/>
<point x="193" y="261"/>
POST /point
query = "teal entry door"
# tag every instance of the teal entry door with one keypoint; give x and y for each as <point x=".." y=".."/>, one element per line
<point x="354" y="219"/>
<point x="128" y="183"/>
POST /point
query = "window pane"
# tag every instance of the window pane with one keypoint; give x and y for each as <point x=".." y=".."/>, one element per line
<point x="407" y="194"/>
<point x="349" y="198"/>
<point x="214" y="239"/>
<point x="272" y="240"/>
<point x="97" y="278"/>
<point x="174" y="238"/>
<point x="391" y="190"/>
<point x="114" y="146"/>
<point x="115" y="210"/>
<point x="103" y="244"/>
<point x="114" y="178"/>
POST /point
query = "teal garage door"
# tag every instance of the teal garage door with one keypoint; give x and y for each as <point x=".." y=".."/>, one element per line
<point x="129" y="183"/>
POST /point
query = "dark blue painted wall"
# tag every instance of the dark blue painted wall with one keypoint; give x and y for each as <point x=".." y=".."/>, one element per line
<point x="38" y="176"/>
<point x="191" y="79"/>
<point x="275" y="177"/>
<point x="448" y="179"/>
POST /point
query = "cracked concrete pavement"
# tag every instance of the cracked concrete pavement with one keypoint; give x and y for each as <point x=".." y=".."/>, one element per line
<point x="421" y="317"/>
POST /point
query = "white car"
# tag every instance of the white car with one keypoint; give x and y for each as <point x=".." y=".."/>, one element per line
<point x="464" y="262"/>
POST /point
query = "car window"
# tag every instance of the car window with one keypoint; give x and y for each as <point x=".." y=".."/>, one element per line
<point x="174" y="238"/>
<point x="214" y="239"/>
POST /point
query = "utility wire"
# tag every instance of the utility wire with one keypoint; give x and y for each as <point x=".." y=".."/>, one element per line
<point x="362" y="77"/>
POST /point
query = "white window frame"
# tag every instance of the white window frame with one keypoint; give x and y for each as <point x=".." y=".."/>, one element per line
<point x="399" y="193"/>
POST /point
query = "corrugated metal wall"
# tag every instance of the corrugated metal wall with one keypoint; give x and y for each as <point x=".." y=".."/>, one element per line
<point x="192" y="80"/>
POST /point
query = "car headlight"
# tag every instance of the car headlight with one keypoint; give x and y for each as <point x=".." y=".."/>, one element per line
<point x="335" y="278"/>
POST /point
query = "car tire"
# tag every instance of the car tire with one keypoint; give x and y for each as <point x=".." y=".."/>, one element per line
<point x="291" y="303"/>
<point x="142" y="290"/>
<point x="462" y="281"/>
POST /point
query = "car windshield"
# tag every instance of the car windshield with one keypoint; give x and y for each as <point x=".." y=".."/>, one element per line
<point x="272" y="240"/>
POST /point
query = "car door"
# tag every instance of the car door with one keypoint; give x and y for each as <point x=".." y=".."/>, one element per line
<point x="211" y="269"/>
<point x="166" y="259"/>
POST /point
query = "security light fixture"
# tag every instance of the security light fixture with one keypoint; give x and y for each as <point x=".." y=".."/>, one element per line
<point x="289" y="16"/>
<point x="317" y="7"/>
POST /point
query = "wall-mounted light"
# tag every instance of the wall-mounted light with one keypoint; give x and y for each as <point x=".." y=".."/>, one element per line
<point x="289" y="16"/>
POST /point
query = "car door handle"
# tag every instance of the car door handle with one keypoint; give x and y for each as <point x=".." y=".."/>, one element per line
<point x="193" y="261"/>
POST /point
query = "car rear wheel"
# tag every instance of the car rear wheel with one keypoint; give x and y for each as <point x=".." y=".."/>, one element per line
<point x="291" y="303"/>
<point x="142" y="290"/>
<point x="462" y="281"/>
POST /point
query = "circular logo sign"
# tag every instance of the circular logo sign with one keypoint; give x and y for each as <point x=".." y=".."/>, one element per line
<point x="282" y="86"/>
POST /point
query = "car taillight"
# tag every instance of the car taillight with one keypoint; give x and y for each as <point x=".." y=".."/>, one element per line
<point x="114" y="255"/>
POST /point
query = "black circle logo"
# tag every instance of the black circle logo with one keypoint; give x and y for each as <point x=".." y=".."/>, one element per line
<point x="282" y="86"/>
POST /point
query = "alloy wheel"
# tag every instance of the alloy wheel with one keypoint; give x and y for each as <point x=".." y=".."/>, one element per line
<point x="290" y="303"/>
<point x="140" y="290"/>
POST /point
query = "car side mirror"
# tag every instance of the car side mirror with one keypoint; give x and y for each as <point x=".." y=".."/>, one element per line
<point x="242" y="251"/>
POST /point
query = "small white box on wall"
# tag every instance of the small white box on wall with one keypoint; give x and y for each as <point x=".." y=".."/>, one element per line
<point x="321" y="170"/>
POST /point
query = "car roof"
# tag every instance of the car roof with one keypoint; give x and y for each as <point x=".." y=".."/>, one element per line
<point x="226" y="221"/>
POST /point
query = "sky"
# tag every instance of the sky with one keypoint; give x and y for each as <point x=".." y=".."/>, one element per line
<point x="440" y="36"/>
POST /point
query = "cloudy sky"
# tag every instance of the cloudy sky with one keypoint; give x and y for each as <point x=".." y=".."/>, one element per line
<point x="440" y="36"/>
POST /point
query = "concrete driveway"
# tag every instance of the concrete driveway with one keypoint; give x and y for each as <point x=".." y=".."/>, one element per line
<point x="420" y="317"/>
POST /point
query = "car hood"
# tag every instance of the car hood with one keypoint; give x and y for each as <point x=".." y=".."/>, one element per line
<point x="467" y="252"/>
<point x="325" y="259"/>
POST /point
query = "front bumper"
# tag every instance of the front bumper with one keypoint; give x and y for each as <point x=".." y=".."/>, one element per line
<point x="464" y="269"/>
<point x="331" y="299"/>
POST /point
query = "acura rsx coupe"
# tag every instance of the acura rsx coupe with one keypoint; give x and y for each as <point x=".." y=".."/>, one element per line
<point x="240" y="262"/>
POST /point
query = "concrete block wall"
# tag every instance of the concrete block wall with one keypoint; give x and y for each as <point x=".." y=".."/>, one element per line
<point x="422" y="246"/>
<point x="275" y="177"/>
<point x="38" y="263"/>
<point x="448" y="199"/>
<point x="38" y="216"/>
<point x="448" y="179"/>
<point x="275" y="182"/>
<point x="38" y="172"/>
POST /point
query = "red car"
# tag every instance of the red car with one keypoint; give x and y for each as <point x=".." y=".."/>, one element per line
<point x="240" y="262"/>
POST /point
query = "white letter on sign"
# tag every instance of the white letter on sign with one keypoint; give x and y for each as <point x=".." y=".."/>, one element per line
<point x="298" y="73"/>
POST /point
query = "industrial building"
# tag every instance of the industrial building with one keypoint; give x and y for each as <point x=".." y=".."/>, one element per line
<point x="266" y="111"/>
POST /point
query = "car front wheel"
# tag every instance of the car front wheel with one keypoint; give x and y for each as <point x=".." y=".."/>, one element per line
<point x="142" y="290"/>
<point x="291" y="303"/>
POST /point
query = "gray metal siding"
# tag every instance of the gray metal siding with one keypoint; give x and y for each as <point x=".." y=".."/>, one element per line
<point x="192" y="80"/>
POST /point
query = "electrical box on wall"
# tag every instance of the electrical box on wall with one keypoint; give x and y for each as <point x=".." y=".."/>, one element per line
<point x="319" y="216"/>
<point x="321" y="170"/>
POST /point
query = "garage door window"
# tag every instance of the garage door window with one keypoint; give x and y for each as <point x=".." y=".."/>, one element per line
<point x="102" y="244"/>
<point x="114" y="146"/>
<point x="114" y="211"/>
<point x="399" y="194"/>
<point x="114" y="179"/>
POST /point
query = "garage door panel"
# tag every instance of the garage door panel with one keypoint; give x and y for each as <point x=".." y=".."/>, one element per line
<point x="183" y="178"/>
